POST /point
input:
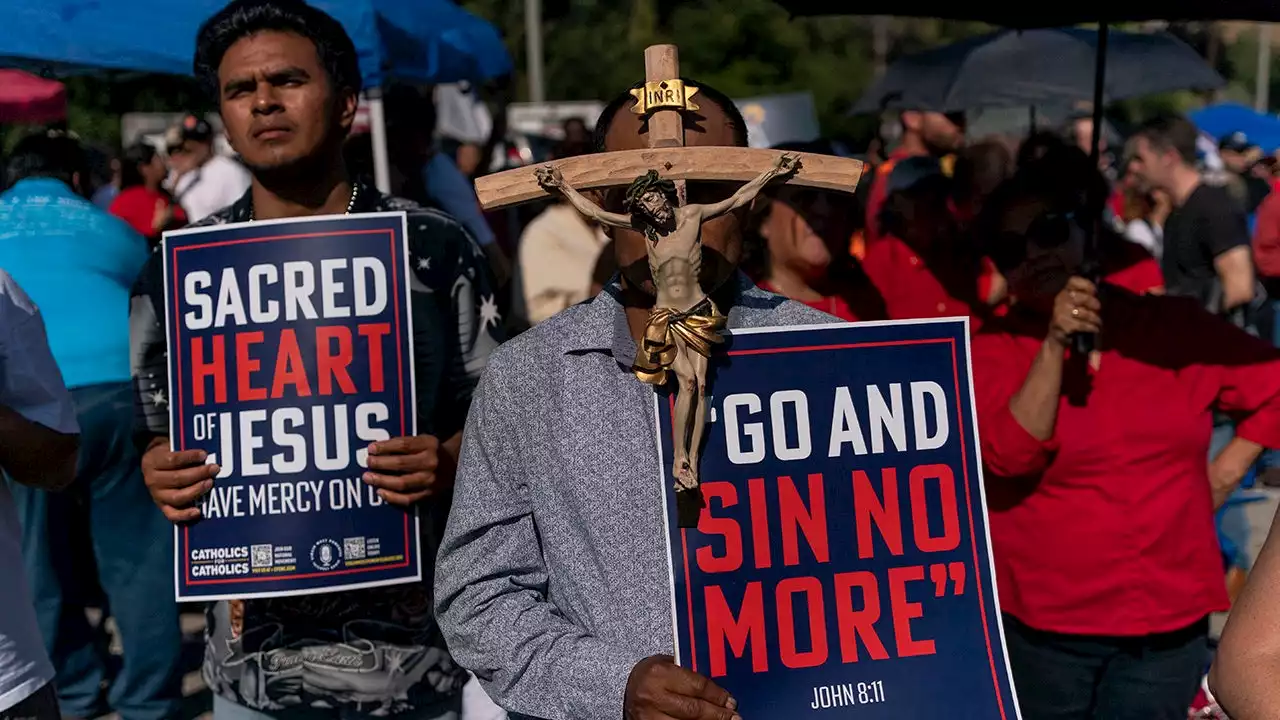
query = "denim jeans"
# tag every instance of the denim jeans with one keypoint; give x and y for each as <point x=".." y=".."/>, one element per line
<point x="1271" y="458"/>
<point x="133" y="549"/>
<point x="1081" y="677"/>
<point x="39" y="705"/>
<point x="224" y="709"/>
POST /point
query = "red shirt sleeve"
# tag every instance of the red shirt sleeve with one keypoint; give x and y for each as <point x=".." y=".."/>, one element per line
<point x="879" y="193"/>
<point x="135" y="208"/>
<point x="1000" y="366"/>
<point x="1246" y="372"/>
<point x="987" y="273"/>
<point x="1142" y="277"/>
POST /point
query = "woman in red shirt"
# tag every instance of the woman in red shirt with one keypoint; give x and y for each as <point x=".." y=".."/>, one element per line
<point x="142" y="201"/>
<point x="1101" y="501"/>
<point x="798" y="250"/>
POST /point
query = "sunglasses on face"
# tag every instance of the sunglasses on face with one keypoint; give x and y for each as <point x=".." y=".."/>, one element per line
<point x="1048" y="231"/>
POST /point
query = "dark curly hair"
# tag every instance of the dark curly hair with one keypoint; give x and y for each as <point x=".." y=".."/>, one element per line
<point x="645" y="183"/>
<point x="48" y="154"/>
<point x="243" y="18"/>
<point x="133" y="158"/>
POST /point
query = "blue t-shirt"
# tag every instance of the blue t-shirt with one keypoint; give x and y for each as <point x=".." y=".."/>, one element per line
<point x="78" y="264"/>
<point x="452" y="192"/>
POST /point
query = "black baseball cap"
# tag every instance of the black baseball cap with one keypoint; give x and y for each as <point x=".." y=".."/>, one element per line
<point x="1236" y="142"/>
<point x="191" y="127"/>
<point x="911" y="172"/>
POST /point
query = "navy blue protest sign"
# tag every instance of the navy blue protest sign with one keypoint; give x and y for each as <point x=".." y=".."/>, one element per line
<point x="841" y="566"/>
<point x="290" y="351"/>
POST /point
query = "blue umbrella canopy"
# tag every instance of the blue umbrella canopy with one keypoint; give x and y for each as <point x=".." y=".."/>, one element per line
<point x="1023" y="68"/>
<point x="1225" y="119"/>
<point x="418" y="40"/>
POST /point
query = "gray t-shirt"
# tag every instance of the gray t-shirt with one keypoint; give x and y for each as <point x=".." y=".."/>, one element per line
<point x="31" y="385"/>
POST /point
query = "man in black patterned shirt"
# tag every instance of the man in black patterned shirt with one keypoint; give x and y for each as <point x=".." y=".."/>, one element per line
<point x="287" y="80"/>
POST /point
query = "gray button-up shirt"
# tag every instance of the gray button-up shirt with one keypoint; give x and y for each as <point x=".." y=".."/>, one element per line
<point x="551" y="582"/>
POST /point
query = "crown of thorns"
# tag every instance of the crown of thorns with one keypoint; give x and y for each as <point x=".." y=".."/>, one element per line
<point x="643" y="184"/>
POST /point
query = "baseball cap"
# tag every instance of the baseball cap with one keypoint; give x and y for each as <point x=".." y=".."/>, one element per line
<point x="1235" y="142"/>
<point x="191" y="127"/>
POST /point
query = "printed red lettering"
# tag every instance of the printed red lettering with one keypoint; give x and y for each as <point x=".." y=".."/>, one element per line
<point x="950" y="538"/>
<point x="795" y="517"/>
<point x="811" y="589"/>
<point x="246" y="366"/>
<point x="289" y="367"/>
<point x="759" y="523"/>
<point x="858" y="624"/>
<point x="374" y="333"/>
<point x="214" y="368"/>
<point x="727" y="528"/>
<point x="870" y="510"/>
<point x="746" y="629"/>
<point x="332" y="363"/>
<point x="904" y="612"/>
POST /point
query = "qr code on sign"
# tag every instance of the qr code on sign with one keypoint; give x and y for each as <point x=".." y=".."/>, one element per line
<point x="353" y="548"/>
<point x="261" y="556"/>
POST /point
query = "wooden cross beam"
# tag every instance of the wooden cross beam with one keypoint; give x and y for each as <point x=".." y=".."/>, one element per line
<point x="664" y="99"/>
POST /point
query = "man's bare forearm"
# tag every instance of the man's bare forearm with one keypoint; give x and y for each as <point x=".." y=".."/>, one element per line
<point x="34" y="455"/>
<point x="1235" y="271"/>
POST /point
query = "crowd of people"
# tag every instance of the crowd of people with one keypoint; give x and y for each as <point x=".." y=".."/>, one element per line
<point x="1110" y="473"/>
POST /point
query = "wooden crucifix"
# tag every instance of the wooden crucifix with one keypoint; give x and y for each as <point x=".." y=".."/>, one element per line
<point x="684" y="325"/>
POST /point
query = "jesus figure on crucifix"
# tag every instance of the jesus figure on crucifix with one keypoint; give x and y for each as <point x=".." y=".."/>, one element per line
<point x="684" y="323"/>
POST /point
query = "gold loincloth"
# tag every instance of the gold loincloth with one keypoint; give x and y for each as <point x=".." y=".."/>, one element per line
<point x="699" y="327"/>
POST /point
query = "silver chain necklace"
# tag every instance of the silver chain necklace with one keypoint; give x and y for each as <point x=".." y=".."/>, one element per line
<point x="351" y="204"/>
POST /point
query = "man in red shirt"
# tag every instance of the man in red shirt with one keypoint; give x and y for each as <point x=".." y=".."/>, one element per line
<point x="922" y="265"/>
<point x="924" y="133"/>
<point x="1266" y="245"/>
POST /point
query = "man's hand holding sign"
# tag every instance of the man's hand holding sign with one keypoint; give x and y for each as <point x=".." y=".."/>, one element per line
<point x="177" y="480"/>
<point x="658" y="689"/>
<point x="293" y="386"/>
<point x="408" y="469"/>
<point x="403" y="469"/>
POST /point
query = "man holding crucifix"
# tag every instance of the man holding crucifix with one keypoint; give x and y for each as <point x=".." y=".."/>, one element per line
<point x="552" y="582"/>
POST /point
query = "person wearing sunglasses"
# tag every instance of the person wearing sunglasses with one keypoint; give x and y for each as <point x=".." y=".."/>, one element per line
<point x="205" y="182"/>
<point x="1100" y="497"/>
<point x="795" y="247"/>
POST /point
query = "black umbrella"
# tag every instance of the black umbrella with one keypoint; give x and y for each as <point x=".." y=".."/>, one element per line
<point x="1050" y="15"/>
<point x="1023" y="68"/>
<point x="1103" y="12"/>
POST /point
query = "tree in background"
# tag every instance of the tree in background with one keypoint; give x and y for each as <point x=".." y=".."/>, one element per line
<point x="593" y="48"/>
